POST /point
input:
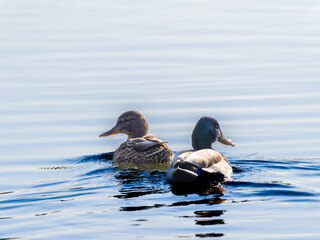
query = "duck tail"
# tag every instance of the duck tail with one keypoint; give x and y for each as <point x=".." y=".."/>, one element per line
<point x="186" y="172"/>
<point x="183" y="172"/>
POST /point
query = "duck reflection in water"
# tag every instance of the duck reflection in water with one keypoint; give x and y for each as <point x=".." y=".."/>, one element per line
<point x="134" y="183"/>
<point x="137" y="184"/>
<point x="208" y="216"/>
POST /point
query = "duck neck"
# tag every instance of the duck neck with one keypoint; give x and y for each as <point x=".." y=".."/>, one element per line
<point x="138" y="130"/>
<point x="137" y="134"/>
<point x="203" y="136"/>
<point x="201" y="139"/>
<point x="199" y="143"/>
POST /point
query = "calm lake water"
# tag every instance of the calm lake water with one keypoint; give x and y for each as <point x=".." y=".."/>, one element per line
<point x="70" y="68"/>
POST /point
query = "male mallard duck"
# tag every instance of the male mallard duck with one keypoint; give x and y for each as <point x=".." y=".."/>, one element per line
<point x="188" y="166"/>
<point x="139" y="147"/>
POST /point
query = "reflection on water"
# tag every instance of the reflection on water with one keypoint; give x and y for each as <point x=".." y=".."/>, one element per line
<point x="214" y="213"/>
<point x="144" y="196"/>
<point x="136" y="184"/>
<point x="201" y="235"/>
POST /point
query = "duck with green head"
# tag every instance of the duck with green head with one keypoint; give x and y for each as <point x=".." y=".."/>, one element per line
<point x="202" y="161"/>
<point x="139" y="147"/>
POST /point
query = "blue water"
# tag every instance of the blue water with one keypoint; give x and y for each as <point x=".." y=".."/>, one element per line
<point x="70" y="68"/>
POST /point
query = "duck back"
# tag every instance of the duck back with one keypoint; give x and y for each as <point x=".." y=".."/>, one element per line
<point x="191" y="165"/>
<point x="147" y="149"/>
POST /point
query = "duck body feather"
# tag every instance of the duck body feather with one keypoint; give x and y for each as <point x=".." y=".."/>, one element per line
<point x="147" y="150"/>
<point x="206" y="164"/>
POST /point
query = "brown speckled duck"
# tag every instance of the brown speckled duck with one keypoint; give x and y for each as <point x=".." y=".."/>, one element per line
<point x="139" y="148"/>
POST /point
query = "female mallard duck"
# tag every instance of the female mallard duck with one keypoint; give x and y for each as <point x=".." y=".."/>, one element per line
<point x="139" y="147"/>
<point x="202" y="161"/>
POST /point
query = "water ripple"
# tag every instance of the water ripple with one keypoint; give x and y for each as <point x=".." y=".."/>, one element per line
<point x="285" y="193"/>
<point x="258" y="185"/>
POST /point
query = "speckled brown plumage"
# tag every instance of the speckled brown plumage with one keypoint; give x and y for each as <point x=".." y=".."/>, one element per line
<point x="159" y="153"/>
<point x="139" y="148"/>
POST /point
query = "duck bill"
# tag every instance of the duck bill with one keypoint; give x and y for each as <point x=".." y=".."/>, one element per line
<point x="225" y="140"/>
<point x="112" y="131"/>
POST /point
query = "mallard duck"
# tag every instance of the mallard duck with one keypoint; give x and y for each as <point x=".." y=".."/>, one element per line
<point x="202" y="161"/>
<point x="139" y="147"/>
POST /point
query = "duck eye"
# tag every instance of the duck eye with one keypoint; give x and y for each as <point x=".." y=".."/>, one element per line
<point x="124" y="120"/>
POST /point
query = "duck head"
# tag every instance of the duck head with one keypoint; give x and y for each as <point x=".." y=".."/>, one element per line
<point x="131" y="123"/>
<point x="206" y="132"/>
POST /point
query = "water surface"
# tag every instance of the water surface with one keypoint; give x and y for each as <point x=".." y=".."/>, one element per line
<point x="70" y="68"/>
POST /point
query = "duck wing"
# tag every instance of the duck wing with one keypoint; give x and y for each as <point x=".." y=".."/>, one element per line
<point x="148" y="149"/>
<point x="206" y="159"/>
<point x="146" y="144"/>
